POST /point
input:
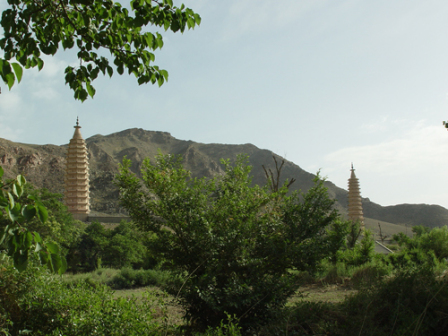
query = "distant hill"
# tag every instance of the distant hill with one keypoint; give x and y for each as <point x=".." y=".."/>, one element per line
<point x="44" y="166"/>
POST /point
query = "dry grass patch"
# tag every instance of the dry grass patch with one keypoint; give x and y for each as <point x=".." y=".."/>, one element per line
<point x="322" y="293"/>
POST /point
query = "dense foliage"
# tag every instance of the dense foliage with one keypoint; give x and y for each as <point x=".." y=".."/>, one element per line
<point x="98" y="246"/>
<point x="33" y="27"/>
<point x="233" y="245"/>
<point x="426" y="247"/>
<point x="34" y="302"/>
<point x="435" y="240"/>
<point x="412" y="302"/>
<point x="17" y="211"/>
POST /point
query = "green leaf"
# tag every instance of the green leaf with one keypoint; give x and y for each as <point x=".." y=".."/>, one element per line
<point x="10" y="79"/>
<point x="44" y="257"/>
<point x="63" y="267"/>
<point x="18" y="71"/>
<point x="19" y="190"/>
<point x="4" y="235"/>
<point x="11" y="201"/>
<point x="52" y="248"/>
<point x="14" y="190"/>
<point x="164" y="73"/>
<point x="42" y="213"/>
<point x="3" y="202"/>
<point x="28" y="212"/>
<point x="40" y="64"/>
<point x="20" y="180"/>
<point x="14" y="213"/>
<point x="28" y="239"/>
<point x="90" y="89"/>
<point x="37" y="237"/>
<point x="21" y="260"/>
<point x="56" y="262"/>
<point x="1" y="172"/>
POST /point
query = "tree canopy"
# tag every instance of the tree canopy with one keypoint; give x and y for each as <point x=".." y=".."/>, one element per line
<point x="35" y="27"/>
<point x="233" y="245"/>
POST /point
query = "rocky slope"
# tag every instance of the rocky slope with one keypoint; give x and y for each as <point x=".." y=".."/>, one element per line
<point x="44" y="167"/>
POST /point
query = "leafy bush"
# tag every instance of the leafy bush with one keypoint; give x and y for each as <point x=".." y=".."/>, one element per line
<point x="90" y="248"/>
<point x="369" y="274"/>
<point x="38" y="303"/>
<point x="435" y="240"/>
<point x="361" y="253"/>
<point x="233" y="244"/>
<point x="334" y="274"/>
<point x="427" y="247"/>
<point x="414" y="302"/>
<point x="123" y="246"/>
<point x="226" y="328"/>
<point x="60" y="226"/>
<point x="130" y="278"/>
<point x="18" y="210"/>
<point x="99" y="276"/>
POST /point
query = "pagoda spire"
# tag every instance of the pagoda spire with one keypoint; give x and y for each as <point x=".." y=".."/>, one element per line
<point x="76" y="195"/>
<point x="354" y="199"/>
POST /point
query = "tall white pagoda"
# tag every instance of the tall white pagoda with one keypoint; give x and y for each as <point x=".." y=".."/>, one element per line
<point x="77" y="177"/>
<point x="354" y="199"/>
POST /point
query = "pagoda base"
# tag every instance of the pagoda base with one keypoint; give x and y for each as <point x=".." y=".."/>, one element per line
<point x="81" y="216"/>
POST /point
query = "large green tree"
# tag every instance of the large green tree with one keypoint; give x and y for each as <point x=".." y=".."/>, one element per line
<point x="35" y="27"/>
<point x="234" y="245"/>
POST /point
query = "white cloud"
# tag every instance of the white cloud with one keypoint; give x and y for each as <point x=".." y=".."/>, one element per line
<point x="409" y="168"/>
<point x="10" y="101"/>
<point x="416" y="148"/>
<point x="9" y="133"/>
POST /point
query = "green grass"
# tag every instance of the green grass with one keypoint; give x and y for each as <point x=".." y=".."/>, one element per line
<point x="99" y="276"/>
<point x="165" y="306"/>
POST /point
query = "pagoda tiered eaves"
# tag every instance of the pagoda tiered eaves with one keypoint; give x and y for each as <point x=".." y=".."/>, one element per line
<point x="355" y="212"/>
<point x="76" y="194"/>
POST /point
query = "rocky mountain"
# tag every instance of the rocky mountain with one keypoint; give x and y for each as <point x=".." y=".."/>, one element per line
<point x="44" y="166"/>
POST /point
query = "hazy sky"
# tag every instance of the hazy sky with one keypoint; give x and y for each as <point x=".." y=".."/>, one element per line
<point x="321" y="82"/>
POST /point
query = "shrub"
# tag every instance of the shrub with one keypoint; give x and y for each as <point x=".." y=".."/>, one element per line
<point x="426" y="240"/>
<point x="334" y="274"/>
<point x="124" y="246"/>
<point x="226" y="328"/>
<point x="130" y="278"/>
<point x="369" y="274"/>
<point x="414" y="302"/>
<point x="361" y="253"/>
<point x="38" y="303"/>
